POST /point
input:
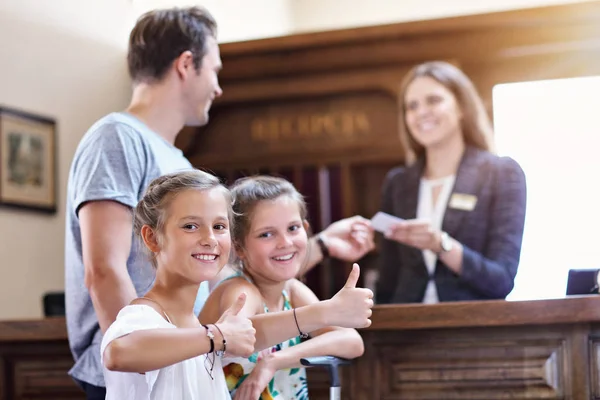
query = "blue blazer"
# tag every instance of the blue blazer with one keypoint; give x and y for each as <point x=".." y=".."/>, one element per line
<point x="491" y="233"/>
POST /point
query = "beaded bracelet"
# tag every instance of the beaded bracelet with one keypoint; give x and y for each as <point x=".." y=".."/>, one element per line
<point x="221" y="352"/>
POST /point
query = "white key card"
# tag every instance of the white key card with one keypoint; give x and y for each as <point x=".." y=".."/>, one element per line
<point x="382" y="222"/>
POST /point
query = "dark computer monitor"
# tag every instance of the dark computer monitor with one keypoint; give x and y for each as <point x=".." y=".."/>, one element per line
<point x="582" y="281"/>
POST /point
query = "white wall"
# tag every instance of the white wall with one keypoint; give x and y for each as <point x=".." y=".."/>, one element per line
<point x="238" y="20"/>
<point x="105" y="21"/>
<point x="317" y="15"/>
<point x="58" y="59"/>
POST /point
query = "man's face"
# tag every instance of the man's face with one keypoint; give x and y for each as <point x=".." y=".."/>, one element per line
<point x="203" y="87"/>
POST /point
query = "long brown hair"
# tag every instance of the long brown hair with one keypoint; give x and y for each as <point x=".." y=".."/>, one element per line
<point x="475" y="123"/>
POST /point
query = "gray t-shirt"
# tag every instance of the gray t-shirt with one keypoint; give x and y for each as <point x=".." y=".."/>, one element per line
<point x="116" y="160"/>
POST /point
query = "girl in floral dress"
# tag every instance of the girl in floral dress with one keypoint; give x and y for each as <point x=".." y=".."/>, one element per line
<point x="271" y="242"/>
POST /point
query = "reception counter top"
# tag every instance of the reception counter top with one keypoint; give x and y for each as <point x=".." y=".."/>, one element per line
<point x="38" y="330"/>
<point x="542" y="349"/>
<point x="466" y="314"/>
<point x="576" y="309"/>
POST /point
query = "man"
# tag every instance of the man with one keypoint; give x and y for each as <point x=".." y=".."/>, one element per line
<point x="173" y="61"/>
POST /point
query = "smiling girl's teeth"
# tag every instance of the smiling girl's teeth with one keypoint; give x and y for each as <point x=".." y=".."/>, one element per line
<point x="205" y="257"/>
<point x="284" y="258"/>
<point x="427" y="126"/>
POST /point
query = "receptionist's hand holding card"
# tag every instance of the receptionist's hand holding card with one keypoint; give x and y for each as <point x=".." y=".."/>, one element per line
<point x="383" y="222"/>
<point x="412" y="232"/>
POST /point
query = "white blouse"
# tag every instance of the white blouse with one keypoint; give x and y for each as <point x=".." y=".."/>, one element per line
<point x="434" y="213"/>
<point x="186" y="380"/>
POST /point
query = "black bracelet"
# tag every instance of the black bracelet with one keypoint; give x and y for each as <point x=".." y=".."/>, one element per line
<point x="323" y="247"/>
<point x="302" y="334"/>
<point x="221" y="352"/>
<point x="210" y="336"/>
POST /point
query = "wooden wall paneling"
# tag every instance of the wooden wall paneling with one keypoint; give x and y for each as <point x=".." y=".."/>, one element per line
<point x="349" y="190"/>
<point x="309" y="188"/>
<point x="349" y="194"/>
<point x="587" y="12"/>
<point x="338" y="211"/>
<point x="286" y="173"/>
<point x="240" y="173"/>
<point x="477" y="364"/>
<point x="325" y="205"/>
<point x="384" y="79"/>
<point x="4" y="378"/>
<point x="38" y="377"/>
<point x="594" y="361"/>
<point x="578" y="367"/>
<point x="298" y="177"/>
<point x="228" y="175"/>
<point x="301" y="131"/>
<point x="479" y="43"/>
<point x="573" y="26"/>
<point x="38" y="370"/>
<point x="336" y="191"/>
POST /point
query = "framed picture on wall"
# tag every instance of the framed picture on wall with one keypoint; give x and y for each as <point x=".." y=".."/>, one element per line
<point x="27" y="161"/>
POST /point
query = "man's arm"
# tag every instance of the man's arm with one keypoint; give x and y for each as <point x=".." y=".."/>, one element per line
<point x="348" y="239"/>
<point x="106" y="228"/>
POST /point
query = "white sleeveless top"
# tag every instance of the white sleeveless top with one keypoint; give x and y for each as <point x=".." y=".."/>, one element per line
<point x="187" y="380"/>
<point x="435" y="215"/>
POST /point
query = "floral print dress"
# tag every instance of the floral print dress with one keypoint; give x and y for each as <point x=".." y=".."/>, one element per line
<point x="287" y="384"/>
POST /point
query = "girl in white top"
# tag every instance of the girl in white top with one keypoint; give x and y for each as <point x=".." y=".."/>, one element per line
<point x="157" y="349"/>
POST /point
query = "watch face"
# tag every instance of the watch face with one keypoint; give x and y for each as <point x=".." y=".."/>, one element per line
<point x="446" y="243"/>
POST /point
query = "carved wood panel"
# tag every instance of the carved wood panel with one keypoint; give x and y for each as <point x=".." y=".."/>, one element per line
<point x="594" y="349"/>
<point x="44" y="377"/>
<point x="550" y="362"/>
<point x="473" y="370"/>
<point x="3" y="379"/>
<point x="309" y="132"/>
<point x="37" y="370"/>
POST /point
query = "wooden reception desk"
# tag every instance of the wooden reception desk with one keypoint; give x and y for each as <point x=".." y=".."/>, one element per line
<point x="546" y="349"/>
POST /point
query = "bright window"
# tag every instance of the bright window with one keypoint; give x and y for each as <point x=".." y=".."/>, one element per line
<point x="552" y="128"/>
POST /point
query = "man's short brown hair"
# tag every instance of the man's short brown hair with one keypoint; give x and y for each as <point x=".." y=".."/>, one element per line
<point x="160" y="36"/>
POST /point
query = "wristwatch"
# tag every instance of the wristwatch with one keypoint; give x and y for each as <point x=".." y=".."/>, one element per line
<point x="323" y="247"/>
<point x="445" y="242"/>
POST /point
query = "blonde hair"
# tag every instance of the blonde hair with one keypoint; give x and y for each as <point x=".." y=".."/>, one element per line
<point x="152" y="208"/>
<point x="475" y="123"/>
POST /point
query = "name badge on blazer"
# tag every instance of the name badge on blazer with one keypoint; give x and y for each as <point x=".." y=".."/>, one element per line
<point x="461" y="201"/>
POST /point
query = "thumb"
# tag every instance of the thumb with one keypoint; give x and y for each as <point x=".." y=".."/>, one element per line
<point x="238" y="305"/>
<point x="353" y="277"/>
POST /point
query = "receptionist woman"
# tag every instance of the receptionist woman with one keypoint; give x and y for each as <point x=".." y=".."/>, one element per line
<point x="463" y="206"/>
